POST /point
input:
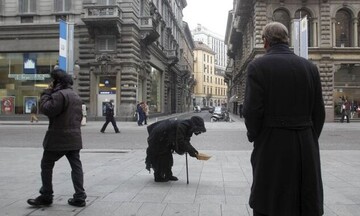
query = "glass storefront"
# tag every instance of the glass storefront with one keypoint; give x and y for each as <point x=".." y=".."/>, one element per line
<point x="155" y="91"/>
<point x="347" y="86"/>
<point x="23" y="76"/>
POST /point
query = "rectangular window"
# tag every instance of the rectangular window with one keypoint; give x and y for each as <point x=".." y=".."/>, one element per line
<point x="62" y="5"/>
<point x="106" y="44"/>
<point x="27" y="6"/>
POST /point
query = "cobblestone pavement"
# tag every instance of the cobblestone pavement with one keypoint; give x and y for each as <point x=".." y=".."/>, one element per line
<point x="117" y="182"/>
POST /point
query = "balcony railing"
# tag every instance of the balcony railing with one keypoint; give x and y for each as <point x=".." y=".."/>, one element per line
<point x="170" y="53"/>
<point x="102" y="11"/>
<point x="146" y="22"/>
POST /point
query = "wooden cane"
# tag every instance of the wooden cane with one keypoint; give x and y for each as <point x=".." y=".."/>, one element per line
<point x="187" y="169"/>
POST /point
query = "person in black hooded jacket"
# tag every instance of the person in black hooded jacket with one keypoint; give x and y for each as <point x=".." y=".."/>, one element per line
<point x="168" y="136"/>
<point x="63" y="138"/>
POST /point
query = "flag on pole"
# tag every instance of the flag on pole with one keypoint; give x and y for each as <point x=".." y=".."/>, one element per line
<point x="304" y="38"/>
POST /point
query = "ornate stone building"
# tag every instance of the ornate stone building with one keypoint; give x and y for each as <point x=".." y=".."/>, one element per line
<point x="333" y="45"/>
<point x="125" y="50"/>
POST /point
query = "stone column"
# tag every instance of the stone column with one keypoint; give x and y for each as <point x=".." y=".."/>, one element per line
<point x="356" y="33"/>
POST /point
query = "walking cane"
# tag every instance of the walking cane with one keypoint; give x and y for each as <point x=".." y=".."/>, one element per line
<point x="187" y="169"/>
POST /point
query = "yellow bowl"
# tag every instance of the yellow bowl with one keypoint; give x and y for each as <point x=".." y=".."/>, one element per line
<point x="202" y="156"/>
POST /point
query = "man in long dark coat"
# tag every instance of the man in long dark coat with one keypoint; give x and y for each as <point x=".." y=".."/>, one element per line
<point x="284" y="115"/>
<point x="168" y="136"/>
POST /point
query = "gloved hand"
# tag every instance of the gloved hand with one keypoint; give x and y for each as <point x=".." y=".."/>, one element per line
<point x="46" y="92"/>
<point x="193" y="153"/>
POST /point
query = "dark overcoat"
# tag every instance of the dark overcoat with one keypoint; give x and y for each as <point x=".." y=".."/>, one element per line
<point x="63" y="108"/>
<point x="167" y="136"/>
<point x="284" y="115"/>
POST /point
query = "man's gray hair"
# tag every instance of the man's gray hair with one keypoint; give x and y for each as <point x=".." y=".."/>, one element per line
<point x="276" y="33"/>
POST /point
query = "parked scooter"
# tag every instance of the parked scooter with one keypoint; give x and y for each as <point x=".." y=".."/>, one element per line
<point x="220" y="114"/>
<point x="197" y="109"/>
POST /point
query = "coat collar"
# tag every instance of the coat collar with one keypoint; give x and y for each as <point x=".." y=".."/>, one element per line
<point x="279" y="48"/>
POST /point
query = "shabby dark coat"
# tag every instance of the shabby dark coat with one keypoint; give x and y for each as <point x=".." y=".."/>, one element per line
<point x="284" y="115"/>
<point x="167" y="136"/>
<point x="63" y="108"/>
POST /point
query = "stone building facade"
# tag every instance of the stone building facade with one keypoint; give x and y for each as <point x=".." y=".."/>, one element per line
<point x="125" y="50"/>
<point x="333" y="43"/>
<point x="210" y="89"/>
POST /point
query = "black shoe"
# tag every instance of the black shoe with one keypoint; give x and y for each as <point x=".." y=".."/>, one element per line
<point x="161" y="180"/>
<point x="102" y="131"/>
<point x="173" y="178"/>
<point x="117" y="131"/>
<point x="40" y="201"/>
<point x="77" y="202"/>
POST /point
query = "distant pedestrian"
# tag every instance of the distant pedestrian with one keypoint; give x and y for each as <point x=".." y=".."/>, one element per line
<point x="167" y="136"/>
<point x="33" y="113"/>
<point x="284" y="115"/>
<point x="146" y="112"/>
<point x="141" y="114"/>
<point x="84" y="114"/>
<point x="241" y="110"/>
<point x="110" y="117"/>
<point x="345" y="111"/>
<point x="63" y="138"/>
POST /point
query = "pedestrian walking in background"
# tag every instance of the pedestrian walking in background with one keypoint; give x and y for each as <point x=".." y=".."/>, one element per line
<point x="110" y="117"/>
<point x="33" y="113"/>
<point x="84" y="114"/>
<point x="167" y="136"/>
<point x="146" y="112"/>
<point x="63" y="138"/>
<point x="141" y="114"/>
<point x="241" y="110"/>
<point x="345" y="111"/>
<point x="284" y="114"/>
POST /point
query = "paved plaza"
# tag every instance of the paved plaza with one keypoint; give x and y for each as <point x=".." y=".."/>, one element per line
<point x="117" y="182"/>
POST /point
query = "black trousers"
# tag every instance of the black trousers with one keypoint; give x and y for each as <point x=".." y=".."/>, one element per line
<point x="113" y="122"/>
<point x="255" y="213"/>
<point x="47" y="164"/>
<point x="162" y="165"/>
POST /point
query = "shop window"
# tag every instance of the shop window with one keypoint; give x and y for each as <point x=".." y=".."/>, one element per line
<point x="155" y="91"/>
<point x="343" y="28"/>
<point x="347" y="86"/>
<point x="23" y="76"/>
<point x="282" y="16"/>
<point x="299" y="14"/>
<point x="62" y="5"/>
<point x="27" y="6"/>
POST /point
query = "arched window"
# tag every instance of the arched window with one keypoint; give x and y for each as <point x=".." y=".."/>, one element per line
<point x="343" y="28"/>
<point x="301" y="13"/>
<point x="282" y="16"/>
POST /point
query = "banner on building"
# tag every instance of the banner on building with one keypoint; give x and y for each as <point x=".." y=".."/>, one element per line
<point x="300" y="37"/>
<point x="66" y="47"/>
<point x="304" y="37"/>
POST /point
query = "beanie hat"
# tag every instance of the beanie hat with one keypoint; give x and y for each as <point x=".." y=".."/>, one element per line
<point x="198" y="123"/>
<point x="60" y="76"/>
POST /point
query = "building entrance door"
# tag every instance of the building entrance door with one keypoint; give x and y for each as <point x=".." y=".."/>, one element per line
<point x="106" y="92"/>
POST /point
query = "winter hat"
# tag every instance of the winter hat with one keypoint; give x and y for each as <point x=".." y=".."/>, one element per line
<point x="60" y="76"/>
<point x="198" y="123"/>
